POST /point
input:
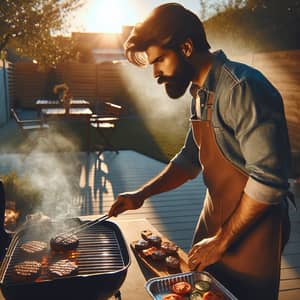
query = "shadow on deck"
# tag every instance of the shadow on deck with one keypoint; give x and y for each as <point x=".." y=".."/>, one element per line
<point x="90" y="184"/>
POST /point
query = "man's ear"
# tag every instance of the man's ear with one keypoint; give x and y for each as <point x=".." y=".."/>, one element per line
<point x="187" y="48"/>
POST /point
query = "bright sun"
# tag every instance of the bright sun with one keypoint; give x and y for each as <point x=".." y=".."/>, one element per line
<point x="108" y="15"/>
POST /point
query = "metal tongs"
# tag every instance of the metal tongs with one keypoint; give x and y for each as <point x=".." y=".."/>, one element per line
<point x="84" y="226"/>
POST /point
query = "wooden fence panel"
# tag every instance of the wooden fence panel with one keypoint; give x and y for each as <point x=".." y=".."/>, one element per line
<point x="109" y="80"/>
<point x="31" y="83"/>
<point x="282" y="68"/>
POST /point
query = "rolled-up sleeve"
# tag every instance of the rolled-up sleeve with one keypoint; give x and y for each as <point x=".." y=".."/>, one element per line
<point x="263" y="193"/>
<point x="187" y="157"/>
<point x="257" y="118"/>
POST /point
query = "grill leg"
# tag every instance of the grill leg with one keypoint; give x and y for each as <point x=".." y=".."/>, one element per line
<point x="118" y="295"/>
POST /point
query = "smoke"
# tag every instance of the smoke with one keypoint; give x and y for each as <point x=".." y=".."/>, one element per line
<point x="52" y="166"/>
<point x="151" y="100"/>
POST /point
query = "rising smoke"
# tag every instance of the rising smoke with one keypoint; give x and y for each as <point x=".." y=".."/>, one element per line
<point x="52" y="166"/>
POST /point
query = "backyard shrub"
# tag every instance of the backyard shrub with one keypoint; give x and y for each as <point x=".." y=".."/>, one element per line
<point x="20" y="194"/>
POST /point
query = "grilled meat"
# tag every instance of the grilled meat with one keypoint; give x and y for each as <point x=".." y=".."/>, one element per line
<point x="154" y="240"/>
<point x="27" y="270"/>
<point x="169" y="247"/>
<point x="158" y="255"/>
<point x="172" y="262"/>
<point x="142" y="244"/>
<point x="64" y="242"/>
<point x="63" y="267"/>
<point x="32" y="248"/>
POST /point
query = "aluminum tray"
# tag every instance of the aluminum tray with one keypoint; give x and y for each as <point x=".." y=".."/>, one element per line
<point x="160" y="286"/>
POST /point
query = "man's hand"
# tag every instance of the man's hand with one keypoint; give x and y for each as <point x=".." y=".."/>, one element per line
<point x="205" y="253"/>
<point x="126" y="201"/>
<point x="210" y="250"/>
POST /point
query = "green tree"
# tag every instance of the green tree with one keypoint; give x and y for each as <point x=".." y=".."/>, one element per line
<point x="240" y="27"/>
<point x="31" y="28"/>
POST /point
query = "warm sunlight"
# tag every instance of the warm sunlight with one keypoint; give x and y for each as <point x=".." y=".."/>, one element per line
<point x="108" y="15"/>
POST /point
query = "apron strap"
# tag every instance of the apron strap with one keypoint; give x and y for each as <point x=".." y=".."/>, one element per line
<point x="210" y="104"/>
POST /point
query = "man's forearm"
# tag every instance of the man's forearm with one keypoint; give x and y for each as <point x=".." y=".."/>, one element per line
<point x="210" y="250"/>
<point x="171" y="177"/>
<point x="246" y="214"/>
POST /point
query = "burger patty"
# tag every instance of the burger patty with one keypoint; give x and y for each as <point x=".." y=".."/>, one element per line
<point x="33" y="247"/>
<point x="64" y="242"/>
<point x="27" y="270"/>
<point x="63" y="267"/>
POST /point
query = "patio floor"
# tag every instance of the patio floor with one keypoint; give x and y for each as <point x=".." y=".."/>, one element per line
<point x="98" y="179"/>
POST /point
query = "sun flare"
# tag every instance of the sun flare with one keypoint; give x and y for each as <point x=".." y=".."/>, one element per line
<point x="108" y="15"/>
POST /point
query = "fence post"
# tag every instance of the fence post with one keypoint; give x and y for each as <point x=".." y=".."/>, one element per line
<point x="5" y="87"/>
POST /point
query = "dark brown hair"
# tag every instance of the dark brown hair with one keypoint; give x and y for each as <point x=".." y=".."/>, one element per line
<point x="169" y="25"/>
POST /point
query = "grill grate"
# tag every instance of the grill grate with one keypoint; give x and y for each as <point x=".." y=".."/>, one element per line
<point x="99" y="252"/>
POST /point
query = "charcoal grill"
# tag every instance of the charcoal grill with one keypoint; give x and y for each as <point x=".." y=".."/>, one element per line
<point x="102" y="258"/>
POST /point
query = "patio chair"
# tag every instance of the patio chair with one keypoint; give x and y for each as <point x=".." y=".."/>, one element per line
<point x="105" y="122"/>
<point x="27" y="126"/>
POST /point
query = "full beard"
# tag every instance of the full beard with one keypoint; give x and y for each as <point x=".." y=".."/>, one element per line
<point x="177" y="84"/>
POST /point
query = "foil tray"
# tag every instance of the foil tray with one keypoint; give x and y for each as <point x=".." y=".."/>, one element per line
<point x="158" y="287"/>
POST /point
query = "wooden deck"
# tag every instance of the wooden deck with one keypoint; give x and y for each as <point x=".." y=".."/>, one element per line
<point x="173" y="213"/>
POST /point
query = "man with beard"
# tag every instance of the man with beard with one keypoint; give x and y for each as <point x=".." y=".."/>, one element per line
<point x="238" y="139"/>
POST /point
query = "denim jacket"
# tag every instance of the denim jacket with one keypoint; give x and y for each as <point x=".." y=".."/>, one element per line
<point x="249" y="125"/>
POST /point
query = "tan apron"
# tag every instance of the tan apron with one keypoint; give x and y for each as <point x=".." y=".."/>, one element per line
<point x="250" y="268"/>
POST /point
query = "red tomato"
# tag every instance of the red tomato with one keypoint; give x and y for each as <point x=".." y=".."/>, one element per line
<point x="172" y="297"/>
<point x="212" y="296"/>
<point x="181" y="288"/>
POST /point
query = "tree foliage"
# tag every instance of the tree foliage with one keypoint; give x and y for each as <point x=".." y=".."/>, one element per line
<point x="29" y="28"/>
<point x="255" y="25"/>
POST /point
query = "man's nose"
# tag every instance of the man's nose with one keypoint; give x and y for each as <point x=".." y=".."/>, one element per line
<point x="156" y="72"/>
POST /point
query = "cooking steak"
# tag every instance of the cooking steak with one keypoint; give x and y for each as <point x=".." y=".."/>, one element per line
<point x="27" y="270"/>
<point x="63" y="267"/>
<point x="64" y="242"/>
<point x="33" y="247"/>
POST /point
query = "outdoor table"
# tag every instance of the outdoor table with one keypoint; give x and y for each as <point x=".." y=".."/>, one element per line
<point x="83" y="113"/>
<point x="47" y="103"/>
